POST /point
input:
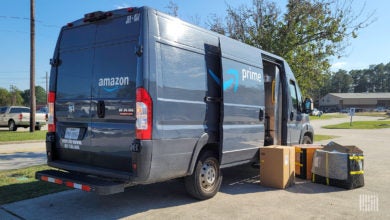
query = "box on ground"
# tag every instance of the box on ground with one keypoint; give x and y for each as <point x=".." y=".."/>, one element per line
<point x="338" y="165"/>
<point x="277" y="166"/>
<point x="303" y="159"/>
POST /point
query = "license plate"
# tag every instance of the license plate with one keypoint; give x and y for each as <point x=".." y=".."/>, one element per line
<point x="72" y="133"/>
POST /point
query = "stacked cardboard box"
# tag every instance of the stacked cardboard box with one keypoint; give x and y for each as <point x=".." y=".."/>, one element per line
<point x="338" y="165"/>
<point x="277" y="166"/>
<point x="303" y="160"/>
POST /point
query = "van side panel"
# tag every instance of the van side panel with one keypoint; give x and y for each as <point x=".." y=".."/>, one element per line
<point x="177" y="84"/>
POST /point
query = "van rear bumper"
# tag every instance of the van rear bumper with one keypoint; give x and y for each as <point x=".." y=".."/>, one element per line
<point x="91" y="170"/>
<point x="85" y="183"/>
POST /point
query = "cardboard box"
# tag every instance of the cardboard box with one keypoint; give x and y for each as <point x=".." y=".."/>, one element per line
<point x="304" y="160"/>
<point x="277" y="166"/>
<point x="338" y="165"/>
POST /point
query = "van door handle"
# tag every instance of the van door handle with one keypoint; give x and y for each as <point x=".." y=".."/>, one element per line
<point x="101" y="109"/>
<point x="261" y="114"/>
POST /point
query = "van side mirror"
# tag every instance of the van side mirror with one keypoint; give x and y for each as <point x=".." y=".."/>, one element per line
<point x="308" y="106"/>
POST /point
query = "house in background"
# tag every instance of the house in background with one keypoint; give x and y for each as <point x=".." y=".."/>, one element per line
<point x="333" y="102"/>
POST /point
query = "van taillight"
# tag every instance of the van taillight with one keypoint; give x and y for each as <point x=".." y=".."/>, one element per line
<point x="20" y="116"/>
<point x="144" y="115"/>
<point x="51" y="120"/>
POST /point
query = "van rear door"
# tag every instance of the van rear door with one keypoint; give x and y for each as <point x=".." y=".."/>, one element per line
<point x="73" y="90"/>
<point x="95" y="104"/>
<point x="114" y="92"/>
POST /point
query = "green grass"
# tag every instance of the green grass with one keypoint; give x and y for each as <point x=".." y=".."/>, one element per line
<point x="6" y="136"/>
<point x="361" y="125"/>
<point x="321" y="137"/>
<point x="17" y="185"/>
<point x="328" y="116"/>
<point x="372" y="114"/>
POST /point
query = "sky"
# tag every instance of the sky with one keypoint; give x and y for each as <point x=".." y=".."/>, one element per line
<point x="371" y="47"/>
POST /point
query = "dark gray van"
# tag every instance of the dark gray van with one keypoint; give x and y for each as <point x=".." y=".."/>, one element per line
<point x="137" y="96"/>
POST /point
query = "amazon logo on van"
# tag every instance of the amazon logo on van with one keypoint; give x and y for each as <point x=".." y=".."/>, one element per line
<point x="111" y="84"/>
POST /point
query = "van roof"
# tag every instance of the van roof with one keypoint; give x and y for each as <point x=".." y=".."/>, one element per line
<point x="100" y="15"/>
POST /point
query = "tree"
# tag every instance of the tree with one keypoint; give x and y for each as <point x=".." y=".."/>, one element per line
<point x="374" y="79"/>
<point x="40" y="95"/>
<point x="4" y="97"/>
<point x="306" y="35"/>
<point x="15" y="96"/>
<point x="173" y="8"/>
<point x="341" y="82"/>
<point x="215" y="24"/>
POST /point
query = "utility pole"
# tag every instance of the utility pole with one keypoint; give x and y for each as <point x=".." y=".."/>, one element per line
<point x="32" y="66"/>
<point x="12" y="90"/>
<point x="47" y="90"/>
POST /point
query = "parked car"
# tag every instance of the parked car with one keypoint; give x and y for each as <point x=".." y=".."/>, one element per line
<point x="19" y="116"/>
<point x="44" y="110"/>
<point x="380" y="109"/>
<point x="316" y="112"/>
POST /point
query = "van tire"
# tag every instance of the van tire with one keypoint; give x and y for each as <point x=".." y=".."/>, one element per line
<point x="307" y="140"/>
<point x="12" y="126"/>
<point x="206" y="179"/>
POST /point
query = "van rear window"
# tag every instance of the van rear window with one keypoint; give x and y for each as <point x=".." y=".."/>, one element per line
<point x="75" y="74"/>
<point x="98" y="60"/>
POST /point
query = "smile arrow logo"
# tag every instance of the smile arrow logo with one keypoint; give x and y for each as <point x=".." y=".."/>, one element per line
<point x="229" y="82"/>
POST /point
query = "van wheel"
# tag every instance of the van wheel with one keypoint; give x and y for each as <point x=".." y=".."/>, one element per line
<point x="206" y="180"/>
<point x="37" y="128"/>
<point x="306" y="140"/>
<point x="12" y="126"/>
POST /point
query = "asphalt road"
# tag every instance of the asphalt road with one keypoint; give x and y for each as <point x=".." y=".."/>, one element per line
<point x="240" y="197"/>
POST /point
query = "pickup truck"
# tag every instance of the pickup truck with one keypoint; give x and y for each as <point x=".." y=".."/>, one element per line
<point x="19" y="116"/>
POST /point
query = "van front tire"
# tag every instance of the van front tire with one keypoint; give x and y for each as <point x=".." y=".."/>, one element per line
<point x="307" y="140"/>
<point x="206" y="179"/>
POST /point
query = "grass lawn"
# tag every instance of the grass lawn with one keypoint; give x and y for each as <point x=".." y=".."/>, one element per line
<point x="361" y="125"/>
<point x="21" y="136"/>
<point x="372" y="114"/>
<point x="16" y="185"/>
<point x="321" y="137"/>
<point x="328" y="116"/>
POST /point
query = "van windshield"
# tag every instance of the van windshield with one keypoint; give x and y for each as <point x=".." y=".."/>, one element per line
<point x="98" y="59"/>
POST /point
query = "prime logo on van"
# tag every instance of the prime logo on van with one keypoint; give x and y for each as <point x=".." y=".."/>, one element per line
<point x="111" y="84"/>
<point x="233" y="80"/>
<point x="250" y="75"/>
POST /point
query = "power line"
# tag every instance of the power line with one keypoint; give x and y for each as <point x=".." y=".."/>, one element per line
<point x="42" y="23"/>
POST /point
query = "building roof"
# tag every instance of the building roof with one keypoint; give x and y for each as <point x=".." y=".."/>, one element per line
<point x="379" y="95"/>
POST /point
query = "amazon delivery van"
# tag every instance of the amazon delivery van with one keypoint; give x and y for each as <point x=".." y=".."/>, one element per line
<point x="137" y="96"/>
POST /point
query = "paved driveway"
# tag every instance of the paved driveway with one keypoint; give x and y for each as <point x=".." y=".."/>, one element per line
<point x="19" y="155"/>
